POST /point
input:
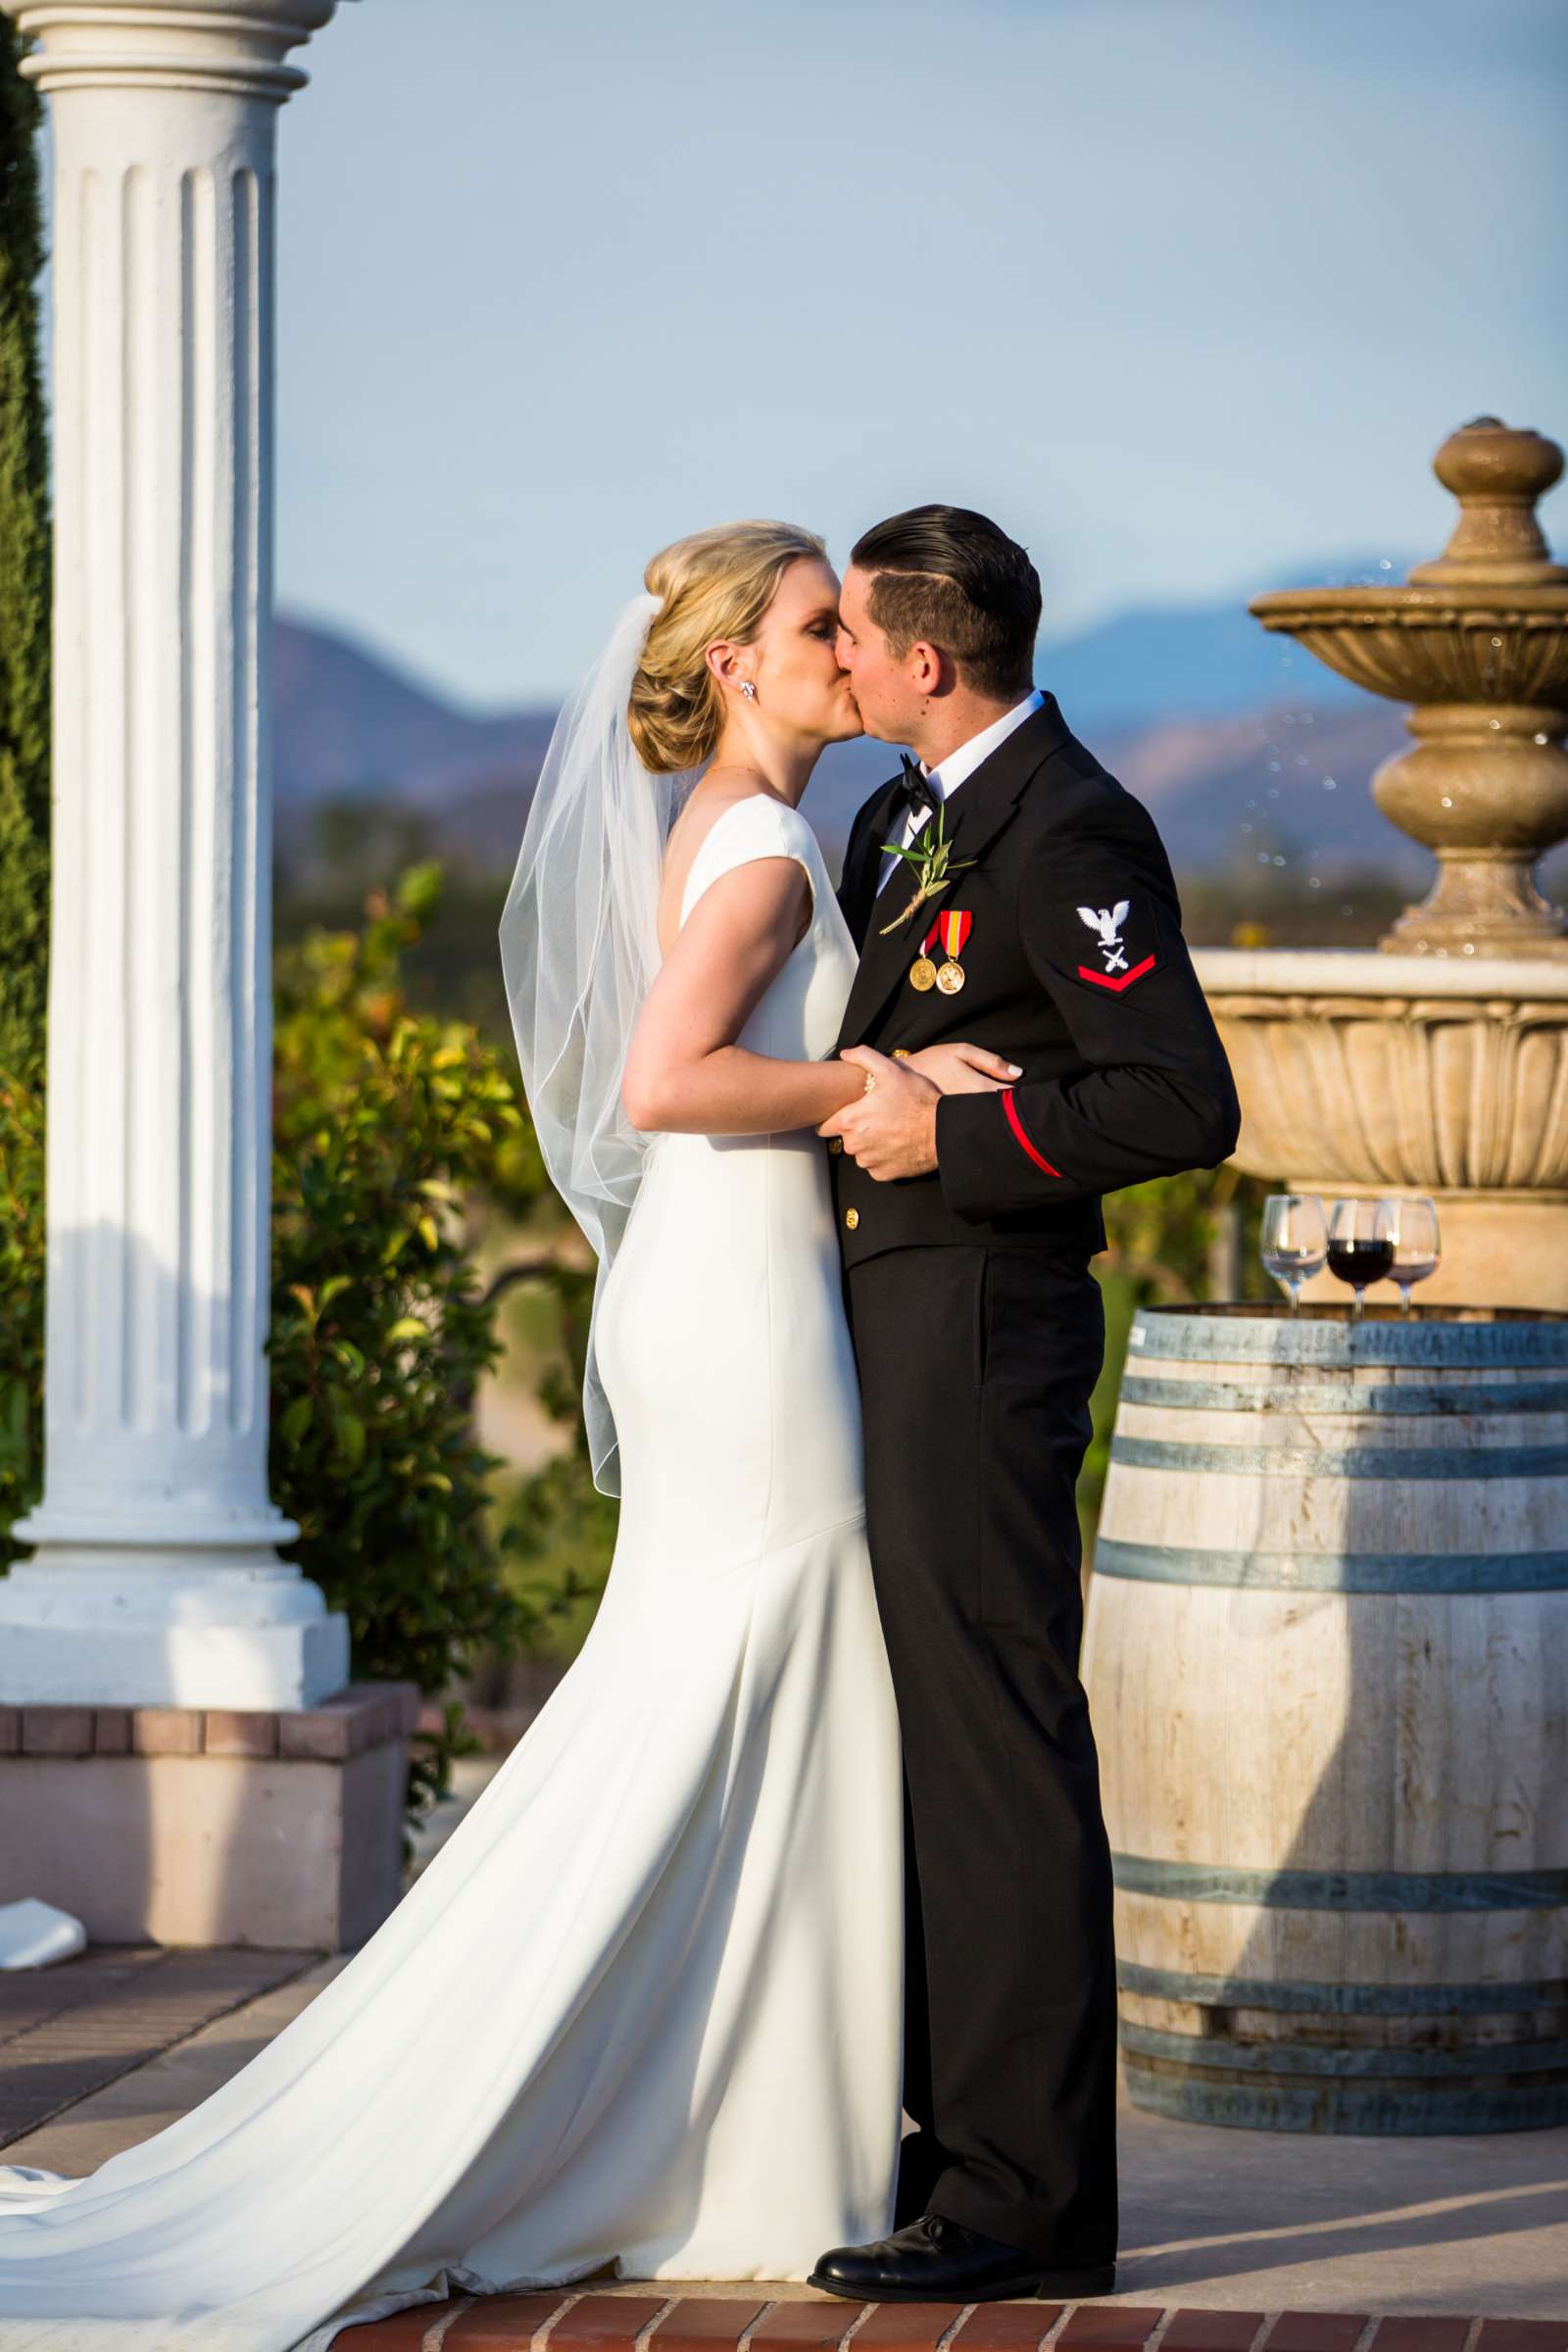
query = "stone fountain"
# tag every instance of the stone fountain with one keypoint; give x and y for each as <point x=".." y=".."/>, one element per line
<point x="1439" y="1063"/>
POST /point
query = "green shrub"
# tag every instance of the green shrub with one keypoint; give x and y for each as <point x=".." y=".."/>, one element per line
<point x="1160" y="1237"/>
<point x="24" y="576"/>
<point x="383" y="1122"/>
<point x="22" y="1295"/>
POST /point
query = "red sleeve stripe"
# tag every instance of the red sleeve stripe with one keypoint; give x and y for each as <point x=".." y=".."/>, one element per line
<point x="1017" y="1124"/>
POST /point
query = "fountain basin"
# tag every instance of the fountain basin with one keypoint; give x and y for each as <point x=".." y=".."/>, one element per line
<point x="1370" y="1073"/>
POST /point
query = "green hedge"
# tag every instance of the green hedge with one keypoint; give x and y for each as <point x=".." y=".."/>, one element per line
<point x="25" y="578"/>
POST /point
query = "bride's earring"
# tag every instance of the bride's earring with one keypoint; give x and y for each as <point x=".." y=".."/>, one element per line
<point x="748" y="690"/>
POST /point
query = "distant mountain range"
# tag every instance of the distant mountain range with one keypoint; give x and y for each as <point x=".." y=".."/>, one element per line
<point x="1235" y="739"/>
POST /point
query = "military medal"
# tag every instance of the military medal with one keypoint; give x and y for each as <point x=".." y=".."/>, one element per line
<point x="953" y="929"/>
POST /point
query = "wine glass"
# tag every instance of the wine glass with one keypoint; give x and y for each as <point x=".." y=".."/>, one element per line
<point x="1295" y="1240"/>
<point x="1361" y="1243"/>
<point x="1413" y="1231"/>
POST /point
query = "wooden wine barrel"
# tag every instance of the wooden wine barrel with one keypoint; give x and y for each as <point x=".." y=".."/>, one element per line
<point x="1327" y="1661"/>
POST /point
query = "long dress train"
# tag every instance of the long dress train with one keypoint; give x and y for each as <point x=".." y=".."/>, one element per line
<point x="643" y="2009"/>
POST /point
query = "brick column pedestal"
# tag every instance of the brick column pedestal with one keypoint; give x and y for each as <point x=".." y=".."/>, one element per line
<point x="280" y="1828"/>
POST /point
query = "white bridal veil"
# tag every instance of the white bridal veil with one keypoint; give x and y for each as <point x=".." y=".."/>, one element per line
<point x="579" y="947"/>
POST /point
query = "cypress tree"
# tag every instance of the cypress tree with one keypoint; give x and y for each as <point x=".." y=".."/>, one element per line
<point x="25" y="581"/>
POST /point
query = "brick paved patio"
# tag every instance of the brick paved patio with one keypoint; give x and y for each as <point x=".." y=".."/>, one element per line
<point x="712" y="2322"/>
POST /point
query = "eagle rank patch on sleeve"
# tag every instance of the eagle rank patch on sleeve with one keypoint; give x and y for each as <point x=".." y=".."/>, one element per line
<point x="1120" y="962"/>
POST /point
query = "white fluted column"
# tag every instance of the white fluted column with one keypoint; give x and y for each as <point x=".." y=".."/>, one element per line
<point x="156" y="1577"/>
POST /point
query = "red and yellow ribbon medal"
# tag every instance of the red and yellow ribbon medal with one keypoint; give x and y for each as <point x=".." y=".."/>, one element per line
<point x="953" y="930"/>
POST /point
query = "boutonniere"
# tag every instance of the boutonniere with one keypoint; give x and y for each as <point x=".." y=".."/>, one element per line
<point x="931" y="855"/>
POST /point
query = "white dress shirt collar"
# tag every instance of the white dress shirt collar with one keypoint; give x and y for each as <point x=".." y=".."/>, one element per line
<point x="949" y="773"/>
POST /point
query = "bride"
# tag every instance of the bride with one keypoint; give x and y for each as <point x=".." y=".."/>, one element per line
<point x="641" y="2015"/>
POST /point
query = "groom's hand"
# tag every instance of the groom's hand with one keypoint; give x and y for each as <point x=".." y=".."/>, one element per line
<point x="891" y="1131"/>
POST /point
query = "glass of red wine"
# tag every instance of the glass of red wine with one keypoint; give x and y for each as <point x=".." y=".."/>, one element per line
<point x="1361" y="1243"/>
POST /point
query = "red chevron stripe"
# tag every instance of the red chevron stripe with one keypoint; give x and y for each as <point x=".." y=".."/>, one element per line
<point x="1017" y="1124"/>
<point x="1106" y="980"/>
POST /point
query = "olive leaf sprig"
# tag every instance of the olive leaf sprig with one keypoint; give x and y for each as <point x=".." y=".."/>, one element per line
<point x="931" y="855"/>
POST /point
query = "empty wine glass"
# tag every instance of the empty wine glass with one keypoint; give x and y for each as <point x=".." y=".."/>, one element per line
<point x="1295" y="1240"/>
<point x="1413" y="1231"/>
<point x="1361" y="1243"/>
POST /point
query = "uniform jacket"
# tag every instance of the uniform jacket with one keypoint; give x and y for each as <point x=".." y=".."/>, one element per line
<point x="1074" y="967"/>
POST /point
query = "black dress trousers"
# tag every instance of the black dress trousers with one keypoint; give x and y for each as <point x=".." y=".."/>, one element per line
<point x="976" y="1365"/>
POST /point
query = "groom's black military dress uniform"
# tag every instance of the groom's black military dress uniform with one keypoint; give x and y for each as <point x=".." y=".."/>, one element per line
<point x="979" y="1334"/>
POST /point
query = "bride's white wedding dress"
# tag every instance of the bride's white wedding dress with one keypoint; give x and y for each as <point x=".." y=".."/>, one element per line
<point x="643" y="2010"/>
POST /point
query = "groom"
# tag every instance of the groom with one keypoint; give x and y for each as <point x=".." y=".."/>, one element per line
<point x="1037" y="916"/>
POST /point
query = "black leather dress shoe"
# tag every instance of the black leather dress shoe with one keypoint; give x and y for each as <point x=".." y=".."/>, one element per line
<point x="937" y="2261"/>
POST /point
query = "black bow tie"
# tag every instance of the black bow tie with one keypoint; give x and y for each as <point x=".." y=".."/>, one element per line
<point x="918" y="796"/>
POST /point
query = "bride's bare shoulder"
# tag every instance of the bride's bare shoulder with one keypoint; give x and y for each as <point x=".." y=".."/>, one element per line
<point x="721" y="790"/>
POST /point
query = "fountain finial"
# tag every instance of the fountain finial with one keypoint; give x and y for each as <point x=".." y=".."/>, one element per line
<point x="1497" y="473"/>
<point x="1477" y="642"/>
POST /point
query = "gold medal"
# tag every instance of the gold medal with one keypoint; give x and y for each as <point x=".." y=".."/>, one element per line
<point x="953" y="930"/>
<point x="923" y="973"/>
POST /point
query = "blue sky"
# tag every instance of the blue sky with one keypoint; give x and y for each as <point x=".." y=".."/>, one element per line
<point x="1183" y="291"/>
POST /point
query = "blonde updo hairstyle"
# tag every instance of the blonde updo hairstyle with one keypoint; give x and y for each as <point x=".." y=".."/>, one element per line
<point x="717" y="586"/>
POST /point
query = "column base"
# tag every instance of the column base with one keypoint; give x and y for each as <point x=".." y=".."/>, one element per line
<point x="159" y="1628"/>
<point x="280" y="1828"/>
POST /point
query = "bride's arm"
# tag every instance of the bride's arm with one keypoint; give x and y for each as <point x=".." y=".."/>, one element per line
<point x="685" y="1074"/>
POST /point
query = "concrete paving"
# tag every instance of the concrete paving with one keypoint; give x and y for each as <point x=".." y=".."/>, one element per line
<point x="143" y="2099"/>
<point x="67" y="2030"/>
<point x="1266" y="2221"/>
<point x="1243" y="2221"/>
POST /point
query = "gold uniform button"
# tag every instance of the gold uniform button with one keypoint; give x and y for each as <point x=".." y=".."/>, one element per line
<point x="835" y="1143"/>
<point x="901" y="1053"/>
<point x="852" y="1218"/>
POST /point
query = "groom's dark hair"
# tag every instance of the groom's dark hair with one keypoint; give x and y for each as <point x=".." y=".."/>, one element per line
<point x="948" y="577"/>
